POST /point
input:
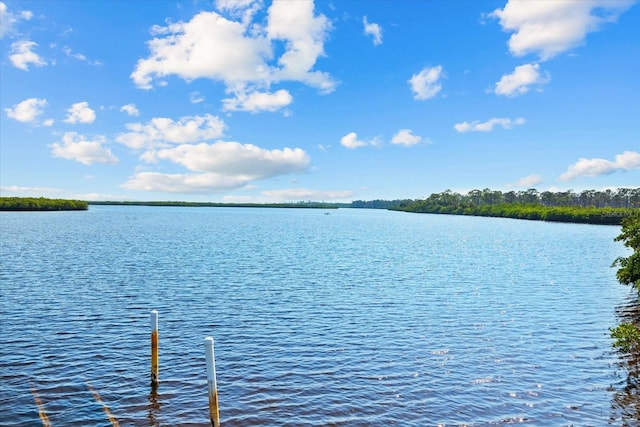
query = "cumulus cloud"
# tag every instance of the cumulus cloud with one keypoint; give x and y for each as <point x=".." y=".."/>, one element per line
<point x="351" y="141"/>
<point x="234" y="159"/>
<point x="80" y="112"/>
<point x="27" y="110"/>
<point x="529" y="181"/>
<point x="374" y="30"/>
<point x="8" y="19"/>
<point x="86" y="151"/>
<point x="258" y="101"/>
<point x="406" y="137"/>
<point x="426" y="84"/>
<point x="219" y="166"/>
<point x="549" y="28"/>
<point x="478" y="126"/>
<point x="628" y="160"/>
<point x="208" y="46"/>
<point x="518" y="82"/>
<point x="241" y="54"/>
<point x="130" y="109"/>
<point x="22" y="55"/>
<point x="160" y="132"/>
<point x="304" y="34"/>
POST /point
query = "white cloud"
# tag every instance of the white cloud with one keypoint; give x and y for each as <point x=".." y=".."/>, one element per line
<point x="518" y="82"/>
<point x="478" y="126"/>
<point x="529" y="181"/>
<point x="628" y="160"/>
<point x="406" y="137"/>
<point x="219" y="166"/>
<point x="182" y="183"/>
<point x="374" y="30"/>
<point x="208" y="46"/>
<point x="304" y="34"/>
<point x="258" y="101"/>
<point x="426" y="84"/>
<point x="240" y="53"/>
<point x="22" y="55"/>
<point x="67" y="51"/>
<point x="86" y="151"/>
<point x="80" y="112"/>
<point x="130" y="109"/>
<point x="8" y="19"/>
<point x="161" y="131"/>
<point x="243" y="9"/>
<point x="302" y="194"/>
<point x="80" y="57"/>
<point x="38" y="191"/>
<point x="234" y="159"/>
<point x="351" y="141"/>
<point x="27" y="110"/>
<point x="196" y="97"/>
<point x="549" y="28"/>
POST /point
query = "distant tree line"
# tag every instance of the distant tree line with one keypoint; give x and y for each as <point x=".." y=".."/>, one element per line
<point x="377" y="204"/>
<point x="589" y="206"/>
<point x="40" y="204"/>
<point x="620" y="198"/>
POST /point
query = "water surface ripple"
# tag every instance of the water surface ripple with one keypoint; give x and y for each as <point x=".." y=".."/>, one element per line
<point x="356" y="318"/>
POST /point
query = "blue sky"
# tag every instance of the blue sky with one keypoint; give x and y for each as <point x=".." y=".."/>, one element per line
<point x="260" y="101"/>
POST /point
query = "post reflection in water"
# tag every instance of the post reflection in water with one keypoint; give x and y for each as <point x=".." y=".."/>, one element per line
<point x="625" y="404"/>
<point x="153" y="408"/>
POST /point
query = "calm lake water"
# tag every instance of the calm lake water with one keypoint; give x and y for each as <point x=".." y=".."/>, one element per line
<point x="352" y="318"/>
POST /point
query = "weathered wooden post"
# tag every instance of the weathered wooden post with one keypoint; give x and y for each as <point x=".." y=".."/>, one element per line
<point x="154" y="349"/>
<point x="211" y="380"/>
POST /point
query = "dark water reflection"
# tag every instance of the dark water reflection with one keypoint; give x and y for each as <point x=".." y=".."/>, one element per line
<point x="154" y="408"/>
<point x="625" y="404"/>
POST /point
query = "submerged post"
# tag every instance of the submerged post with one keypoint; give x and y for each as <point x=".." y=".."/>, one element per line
<point x="154" y="348"/>
<point x="211" y="380"/>
<point x="41" y="412"/>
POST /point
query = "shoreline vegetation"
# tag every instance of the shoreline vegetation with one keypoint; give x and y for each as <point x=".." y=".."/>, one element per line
<point x="41" y="204"/>
<point x="609" y="207"/>
<point x="588" y="207"/>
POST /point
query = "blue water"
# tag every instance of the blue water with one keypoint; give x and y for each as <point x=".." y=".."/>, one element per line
<point x="351" y="318"/>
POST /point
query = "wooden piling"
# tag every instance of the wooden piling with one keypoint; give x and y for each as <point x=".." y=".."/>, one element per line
<point x="211" y="381"/>
<point x="154" y="349"/>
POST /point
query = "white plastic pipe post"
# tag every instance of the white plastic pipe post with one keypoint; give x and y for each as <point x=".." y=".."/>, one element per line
<point x="154" y="349"/>
<point x="211" y="380"/>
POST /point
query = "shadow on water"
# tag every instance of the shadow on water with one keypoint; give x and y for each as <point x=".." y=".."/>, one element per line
<point x="625" y="403"/>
